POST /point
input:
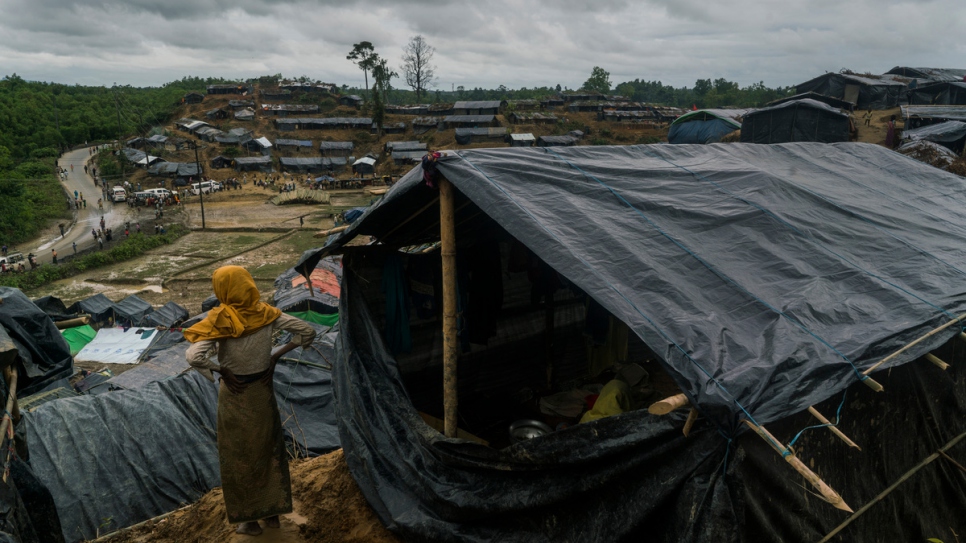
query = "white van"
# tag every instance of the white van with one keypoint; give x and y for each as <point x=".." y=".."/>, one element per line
<point x="118" y="194"/>
<point x="206" y="187"/>
<point x="160" y="193"/>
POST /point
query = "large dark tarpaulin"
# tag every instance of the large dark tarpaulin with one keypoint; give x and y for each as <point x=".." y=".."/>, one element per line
<point x="945" y="94"/>
<point x="710" y="130"/>
<point x="766" y="277"/>
<point x="126" y="456"/>
<point x="951" y="134"/>
<point x="98" y="306"/>
<point x="44" y="353"/>
<point x="799" y="120"/>
<point x="635" y="477"/>
<point x="169" y="315"/>
<point x="872" y="93"/>
<point x="130" y="311"/>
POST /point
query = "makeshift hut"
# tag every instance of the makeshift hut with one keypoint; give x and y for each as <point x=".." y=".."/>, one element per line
<point x="929" y="74"/>
<point x="522" y="140"/>
<point x="245" y="115"/>
<point x="99" y="307"/>
<point x="254" y="164"/>
<point x="529" y="117"/>
<point x="169" y="315"/>
<point x="303" y="164"/>
<point x="939" y="94"/>
<point x="258" y="145"/>
<point x="284" y="110"/>
<point x="293" y="145"/>
<point x="950" y="134"/>
<point x="407" y="157"/>
<point x="351" y="100"/>
<point x="394" y="146"/>
<point x="556" y="141"/>
<point x="469" y="121"/>
<point x="364" y="166"/>
<point x="465" y="136"/>
<point x="275" y="94"/>
<point x="421" y="125"/>
<point x="916" y="116"/>
<point x="233" y="88"/>
<point x="866" y="92"/>
<point x="550" y="103"/>
<point x="801" y="120"/>
<point x="292" y="292"/>
<point x="777" y="286"/>
<point x="131" y="311"/>
<point x="194" y="98"/>
<point x="220" y="162"/>
<point x="389" y="128"/>
<point x="705" y="125"/>
<point x="336" y="148"/>
<point x="479" y="107"/>
<point x="834" y="102"/>
<point x="236" y="105"/>
<point x="217" y="114"/>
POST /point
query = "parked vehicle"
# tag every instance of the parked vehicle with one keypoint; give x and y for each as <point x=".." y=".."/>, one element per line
<point x="205" y="187"/>
<point x="118" y="194"/>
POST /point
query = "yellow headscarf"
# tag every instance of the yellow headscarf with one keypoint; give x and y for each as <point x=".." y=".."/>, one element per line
<point x="240" y="312"/>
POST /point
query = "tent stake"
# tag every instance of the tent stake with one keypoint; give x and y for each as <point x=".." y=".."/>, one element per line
<point x="937" y="361"/>
<point x="876" y="386"/>
<point x="826" y="491"/>
<point x="692" y="417"/>
<point x="668" y="404"/>
<point x="833" y="429"/>
<point x="447" y="236"/>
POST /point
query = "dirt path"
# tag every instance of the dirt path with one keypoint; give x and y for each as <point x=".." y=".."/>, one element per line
<point x="329" y="508"/>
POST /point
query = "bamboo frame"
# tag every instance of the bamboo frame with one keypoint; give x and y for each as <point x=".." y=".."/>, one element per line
<point x="71" y="323"/>
<point x="833" y="429"/>
<point x="876" y="386"/>
<point x="665" y="406"/>
<point x="937" y="361"/>
<point x="688" y="424"/>
<point x="330" y="231"/>
<point x="10" y="375"/>
<point x="447" y="235"/>
<point x="828" y="494"/>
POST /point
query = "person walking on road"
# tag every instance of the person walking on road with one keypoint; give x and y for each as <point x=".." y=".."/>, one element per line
<point x="100" y="242"/>
<point x="74" y="245"/>
<point x="53" y="253"/>
<point x="71" y="167"/>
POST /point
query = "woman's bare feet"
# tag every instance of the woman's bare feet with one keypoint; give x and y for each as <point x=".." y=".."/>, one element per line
<point x="249" y="528"/>
<point x="272" y="522"/>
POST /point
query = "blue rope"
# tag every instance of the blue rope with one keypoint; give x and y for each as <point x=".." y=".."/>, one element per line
<point x="711" y="267"/>
<point x="614" y="288"/>
<point x="799" y="232"/>
<point x="838" y="418"/>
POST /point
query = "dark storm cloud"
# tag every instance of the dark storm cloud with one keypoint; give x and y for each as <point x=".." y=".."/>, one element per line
<point x="482" y="43"/>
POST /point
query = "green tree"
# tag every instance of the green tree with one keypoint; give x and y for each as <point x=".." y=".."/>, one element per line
<point x="364" y="56"/>
<point x="599" y="81"/>
<point x="382" y="76"/>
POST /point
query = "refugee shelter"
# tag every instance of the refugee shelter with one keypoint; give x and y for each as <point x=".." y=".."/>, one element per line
<point x="258" y="145"/>
<point x="866" y="92"/>
<point x="916" y="116"/>
<point x="304" y="164"/>
<point x="834" y="102"/>
<point x="950" y="134"/>
<point x="929" y="74"/>
<point x="293" y="145"/>
<point x="336" y="148"/>
<point x="557" y="141"/>
<point x="364" y="166"/>
<point x="194" y="98"/>
<point x="522" y="139"/>
<point x="761" y="280"/>
<point x="131" y="311"/>
<point x="254" y="164"/>
<point x="800" y="120"/>
<point x="468" y="121"/>
<point x="705" y="125"/>
<point x="479" y="107"/>
<point x="394" y="146"/>
<point x="948" y="93"/>
<point x="99" y="307"/>
<point x="465" y="136"/>
<point x="169" y="315"/>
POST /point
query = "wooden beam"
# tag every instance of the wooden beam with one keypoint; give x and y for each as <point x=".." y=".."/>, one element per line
<point x="937" y="361"/>
<point x="447" y="236"/>
<point x="668" y="404"/>
<point x="876" y="386"/>
<point x="688" y="424"/>
<point x="330" y="231"/>
<point x="71" y="323"/>
<point x="833" y="429"/>
<point x="826" y="491"/>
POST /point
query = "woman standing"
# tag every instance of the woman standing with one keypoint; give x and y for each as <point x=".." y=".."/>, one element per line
<point x="251" y="446"/>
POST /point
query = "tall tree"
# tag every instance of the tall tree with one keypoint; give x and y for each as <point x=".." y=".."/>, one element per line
<point x="364" y="56"/>
<point x="599" y="80"/>
<point x="418" y="65"/>
<point x="382" y="76"/>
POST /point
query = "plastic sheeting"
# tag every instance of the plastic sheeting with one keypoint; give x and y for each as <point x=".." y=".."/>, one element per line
<point x="148" y="451"/>
<point x="117" y="346"/>
<point x="54" y="308"/>
<point x="765" y="277"/>
<point x="870" y="93"/>
<point x="635" y="477"/>
<point x="131" y="311"/>
<point x="800" y="120"/>
<point x="292" y="292"/>
<point x="78" y="337"/>
<point x="98" y="306"/>
<point x="44" y="355"/>
<point x="951" y="134"/>
<point x="169" y="315"/>
<point x="709" y="128"/>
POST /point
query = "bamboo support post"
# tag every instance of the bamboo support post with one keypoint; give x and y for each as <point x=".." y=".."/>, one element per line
<point x="688" y="424"/>
<point x="330" y="231"/>
<point x="10" y="375"/>
<point x="668" y="404"/>
<point x="929" y="459"/>
<point x="962" y="336"/>
<point x="876" y="386"/>
<point x="833" y="429"/>
<point x="826" y="491"/>
<point x="71" y="323"/>
<point x="937" y="361"/>
<point x="447" y="235"/>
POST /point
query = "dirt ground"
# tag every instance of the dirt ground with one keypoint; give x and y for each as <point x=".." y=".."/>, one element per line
<point x="329" y="508"/>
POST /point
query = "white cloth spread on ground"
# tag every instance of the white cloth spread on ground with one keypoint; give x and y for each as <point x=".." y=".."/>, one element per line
<point x="117" y="345"/>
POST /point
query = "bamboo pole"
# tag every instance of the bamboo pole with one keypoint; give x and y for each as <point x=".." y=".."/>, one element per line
<point x="929" y="459"/>
<point x="330" y="231"/>
<point x="71" y="323"/>
<point x="688" y="424"/>
<point x="876" y="386"/>
<point x="962" y="336"/>
<point x="937" y="361"/>
<point x="833" y="429"/>
<point x="447" y="235"/>
<point x="10" y="375"/>
<point x="665" y="406"/>
<point x="826" y="491"/>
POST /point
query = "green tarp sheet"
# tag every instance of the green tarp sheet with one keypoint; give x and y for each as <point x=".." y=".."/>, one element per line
<point x="317" y="318"/>
<point x="78" y="337"/>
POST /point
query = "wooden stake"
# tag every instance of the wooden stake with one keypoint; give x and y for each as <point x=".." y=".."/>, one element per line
<point x="876" y="386"/>
<point x="668" y="404"/>
<point x="826" y="491"/>
<point x="10" y="375"/>
<point x="937" y="361"/>
<point x="447" y="236"/>
<point x="962" y="336"/>
<point x="833" y="429"/>
<point x="692" y="417"/>
<point x="330" y="231"/>
<point x="71" y="323"/>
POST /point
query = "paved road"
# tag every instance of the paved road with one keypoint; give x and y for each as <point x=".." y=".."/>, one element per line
<point x="85" y="218"/>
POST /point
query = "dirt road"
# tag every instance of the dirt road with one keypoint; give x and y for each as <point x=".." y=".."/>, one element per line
<point x="85" y="219"/>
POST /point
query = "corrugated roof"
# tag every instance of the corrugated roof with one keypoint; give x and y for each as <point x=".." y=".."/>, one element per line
<point x="478" y="104"/>
<point x="293" y="143"/>
<point x="336" y="145"/>
<point x="254" y="160"/>
<point x="468" y="118"/>
<point x="523" y="137"/>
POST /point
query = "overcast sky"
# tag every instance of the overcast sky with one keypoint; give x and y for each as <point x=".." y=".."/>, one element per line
<point x="478" y="43"/>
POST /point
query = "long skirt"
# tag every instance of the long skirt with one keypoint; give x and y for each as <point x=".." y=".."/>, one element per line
<point x="251" y="450"/>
